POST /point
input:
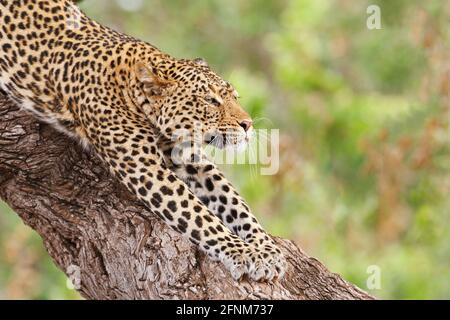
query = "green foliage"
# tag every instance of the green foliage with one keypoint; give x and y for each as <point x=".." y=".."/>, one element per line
<point x="363" y="117"/>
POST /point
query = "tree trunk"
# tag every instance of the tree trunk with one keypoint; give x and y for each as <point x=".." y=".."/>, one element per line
<point x="109" y="244"/>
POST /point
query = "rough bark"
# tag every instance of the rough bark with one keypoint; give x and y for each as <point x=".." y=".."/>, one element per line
<point x="87" y="220"/>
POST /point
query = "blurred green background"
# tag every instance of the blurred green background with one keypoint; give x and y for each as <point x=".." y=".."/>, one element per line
<point x="363" y="114"/>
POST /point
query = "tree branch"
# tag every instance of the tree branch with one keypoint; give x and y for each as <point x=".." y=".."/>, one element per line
<point x="91" y="224"/>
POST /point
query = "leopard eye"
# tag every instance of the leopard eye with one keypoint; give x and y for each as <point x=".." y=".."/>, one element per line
<point x="213" y="101"/>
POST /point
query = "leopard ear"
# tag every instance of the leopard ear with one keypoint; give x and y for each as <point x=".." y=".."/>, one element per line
<point x="143" y="73"/>
<point x="153" y="85"/>
<point x="201" y="62"/>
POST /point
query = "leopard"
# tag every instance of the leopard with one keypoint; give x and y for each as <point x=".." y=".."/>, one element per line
<point x="127" y="101"/>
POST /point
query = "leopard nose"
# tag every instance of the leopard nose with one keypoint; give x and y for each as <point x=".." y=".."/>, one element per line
<point x="246" y="124"/>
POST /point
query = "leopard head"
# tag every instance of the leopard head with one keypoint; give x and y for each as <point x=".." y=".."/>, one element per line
<point x="188" y="97"/>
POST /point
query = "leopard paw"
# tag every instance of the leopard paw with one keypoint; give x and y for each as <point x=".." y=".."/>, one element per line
<point x="237" y="265"/>
<point x="260" y="264"/>
<point x="266" y="264"/>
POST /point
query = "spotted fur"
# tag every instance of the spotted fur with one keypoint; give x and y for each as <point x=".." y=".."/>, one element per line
<point x="126" y="99"/>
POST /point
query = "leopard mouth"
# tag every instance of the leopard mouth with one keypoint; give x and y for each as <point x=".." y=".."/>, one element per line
<point x="225" y="140"/>
<point x="215" y="140"/>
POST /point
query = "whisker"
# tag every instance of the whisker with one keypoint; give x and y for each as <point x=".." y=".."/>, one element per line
<point x="259" y="119"/>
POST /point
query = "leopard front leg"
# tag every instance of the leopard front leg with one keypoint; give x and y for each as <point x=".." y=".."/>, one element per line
<point x="132" y="154"/>
<point x="209" y="184"/>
